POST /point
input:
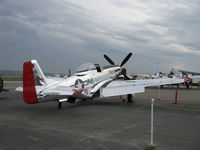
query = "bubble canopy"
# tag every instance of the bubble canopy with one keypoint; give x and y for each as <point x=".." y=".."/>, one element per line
<point x="86" y="67"/>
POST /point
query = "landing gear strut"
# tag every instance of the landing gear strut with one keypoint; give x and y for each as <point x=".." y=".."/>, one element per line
<point x="130" y="98"/>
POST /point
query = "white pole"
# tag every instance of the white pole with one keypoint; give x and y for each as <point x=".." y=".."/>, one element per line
<point x="152" y="101"/>
<point x="151" y="146"/>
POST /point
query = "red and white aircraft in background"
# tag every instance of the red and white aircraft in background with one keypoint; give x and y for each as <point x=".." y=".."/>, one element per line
<point x="90" y="81"/>
<point x="194" y="77"/>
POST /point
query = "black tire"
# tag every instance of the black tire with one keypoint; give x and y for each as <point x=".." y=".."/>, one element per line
<point x="59" y="105"/>
<point x="1" y="84"/>
<point x="129" y="98"/>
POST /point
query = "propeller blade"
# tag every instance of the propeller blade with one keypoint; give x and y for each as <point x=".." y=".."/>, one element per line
<point x="126" y="59"/>
<point x="109" y="60"/>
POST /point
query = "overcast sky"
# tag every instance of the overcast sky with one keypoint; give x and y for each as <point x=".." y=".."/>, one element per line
<point x="63" y="34"/>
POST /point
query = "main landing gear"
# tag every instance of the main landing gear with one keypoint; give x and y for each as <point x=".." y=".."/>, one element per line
<point x="129" y="99"/>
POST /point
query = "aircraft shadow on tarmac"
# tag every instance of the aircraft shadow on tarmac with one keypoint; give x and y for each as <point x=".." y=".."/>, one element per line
<point x="80" y="107"/>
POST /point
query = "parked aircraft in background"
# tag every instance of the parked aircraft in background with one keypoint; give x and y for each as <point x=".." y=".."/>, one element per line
<point x="194" y="77"/>
<point x="2" y="85"/>
<point x="90" y="81"/>
<point x="190" y="73"/>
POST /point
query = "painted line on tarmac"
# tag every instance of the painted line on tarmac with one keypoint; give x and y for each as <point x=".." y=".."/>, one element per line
<point x="177" y="108"/>
<point x="78" y="125"/>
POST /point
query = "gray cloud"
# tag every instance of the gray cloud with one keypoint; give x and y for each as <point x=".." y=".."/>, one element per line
<point x="63" y="34"/>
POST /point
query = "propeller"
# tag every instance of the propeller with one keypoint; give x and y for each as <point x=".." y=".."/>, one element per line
<point x="123" y="72"/>
<point x="126" y="59"/>
<point x="122" y="63"/>
<point x="109" y="60"/>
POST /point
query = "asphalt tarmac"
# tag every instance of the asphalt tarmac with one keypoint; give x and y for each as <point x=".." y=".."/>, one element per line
<point x="101" y="124"/>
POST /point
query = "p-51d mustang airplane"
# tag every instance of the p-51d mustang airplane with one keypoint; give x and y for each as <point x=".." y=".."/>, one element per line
<point x="90" y="81"/>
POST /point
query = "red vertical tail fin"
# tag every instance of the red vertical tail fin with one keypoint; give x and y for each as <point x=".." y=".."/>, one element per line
<point x="29" y="90"/>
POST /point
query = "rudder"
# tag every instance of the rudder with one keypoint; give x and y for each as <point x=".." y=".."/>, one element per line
<point x="29" y="90"/>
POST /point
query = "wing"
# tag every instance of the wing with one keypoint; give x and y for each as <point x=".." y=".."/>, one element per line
<point x="189" y="72"/>
<point x="195" y="77"/>
<point x="122" y="87"/>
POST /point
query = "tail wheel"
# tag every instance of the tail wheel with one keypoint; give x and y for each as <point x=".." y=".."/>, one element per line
<point x="59" y="105"/>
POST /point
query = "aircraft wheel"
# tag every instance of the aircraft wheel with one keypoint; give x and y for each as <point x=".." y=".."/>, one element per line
<point x="130" y="98"/>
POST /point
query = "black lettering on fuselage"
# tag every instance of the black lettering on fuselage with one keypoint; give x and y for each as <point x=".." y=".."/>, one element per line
<point x="87" y="82"/>
<point x="83" y="83"/>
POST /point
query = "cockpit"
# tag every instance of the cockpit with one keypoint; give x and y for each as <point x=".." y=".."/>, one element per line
<point x="85" y="67"/>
